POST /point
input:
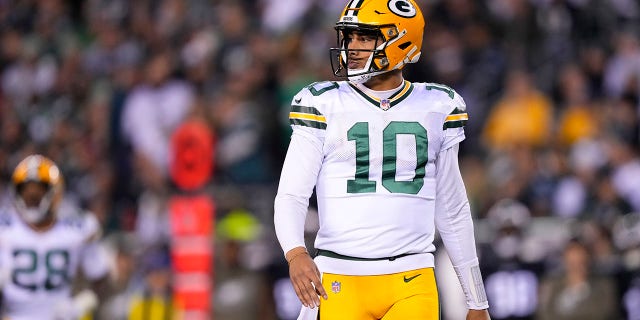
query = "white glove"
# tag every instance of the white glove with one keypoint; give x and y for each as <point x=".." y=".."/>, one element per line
<point x="82" y="303"/>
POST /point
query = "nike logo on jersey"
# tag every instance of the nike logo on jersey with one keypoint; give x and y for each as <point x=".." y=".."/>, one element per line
<point x="378" y="12"/>
<point x="406" y="280"/>
<point x="298" y="100"/>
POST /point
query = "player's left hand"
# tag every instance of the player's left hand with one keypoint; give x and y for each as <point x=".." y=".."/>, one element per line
<point x="478" y="315"/>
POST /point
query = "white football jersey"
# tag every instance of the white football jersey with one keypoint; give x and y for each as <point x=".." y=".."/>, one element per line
<point x="376" y="186"/>
<point x="39" y="268"/>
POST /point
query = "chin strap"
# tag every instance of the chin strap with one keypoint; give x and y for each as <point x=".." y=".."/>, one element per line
<point x="362" y="78"/>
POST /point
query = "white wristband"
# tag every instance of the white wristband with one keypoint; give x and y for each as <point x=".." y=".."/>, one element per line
<point x="472" y="285"/>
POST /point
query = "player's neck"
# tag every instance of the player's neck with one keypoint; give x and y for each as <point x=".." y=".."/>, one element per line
<point x="386" y="81"/>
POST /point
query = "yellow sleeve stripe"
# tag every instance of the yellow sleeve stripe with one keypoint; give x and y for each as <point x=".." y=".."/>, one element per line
<point x="306" y="116"/>
<point x="457" y="117"/>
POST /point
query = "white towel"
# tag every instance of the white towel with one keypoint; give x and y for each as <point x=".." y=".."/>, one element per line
<point x="308" y="313"/>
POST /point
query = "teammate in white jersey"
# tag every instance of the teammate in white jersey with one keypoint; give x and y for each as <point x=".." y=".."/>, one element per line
<point x="40" y="252"/>
<point x="382" y="154"/>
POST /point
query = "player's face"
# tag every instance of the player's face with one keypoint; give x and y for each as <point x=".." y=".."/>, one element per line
<point x="32" y="193"/>
<point x="360" y="45"/>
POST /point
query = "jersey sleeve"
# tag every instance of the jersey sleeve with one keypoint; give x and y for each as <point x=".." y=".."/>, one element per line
<point x="454" y="223"/>
<point x="455" y="122"/>
<point x="94" y="258"/>
<point x="299" y="171"/>
<point x="305" y="114"/>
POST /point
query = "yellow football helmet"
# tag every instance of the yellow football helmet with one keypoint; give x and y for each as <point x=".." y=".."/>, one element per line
<point x="39" y="169"/>
<point x="398" y="22"/>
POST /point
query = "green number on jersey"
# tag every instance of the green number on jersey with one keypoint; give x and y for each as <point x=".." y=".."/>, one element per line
<point x="389" y="157"/>
<point x="442" y="88"/>
<point x="360" y="133"/>
<point x="318" y="88"/>
<point x="56" y="263"/>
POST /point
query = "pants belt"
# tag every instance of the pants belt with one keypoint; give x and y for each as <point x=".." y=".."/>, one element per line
<point x="332" y="254"/>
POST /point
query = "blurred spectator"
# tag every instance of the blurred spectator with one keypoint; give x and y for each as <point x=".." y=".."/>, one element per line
<point x="152" y="111"/>
<point x="626" y="165"/>
<point x="577" y="120"/>
<point x="241" y="157"/>
<point x="241" y="292"/>
<point x="510" y="268"/>
<point x="576" y="293"/>
<point x="598" y="241"/>
<point x="627" y="239"/>
<point x="521" y="117"/>
<point x="155" y="299"/>
<point x="623" y="70"/>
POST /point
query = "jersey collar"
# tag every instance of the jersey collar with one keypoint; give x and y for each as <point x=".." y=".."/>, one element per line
<point x="386" y="104"/>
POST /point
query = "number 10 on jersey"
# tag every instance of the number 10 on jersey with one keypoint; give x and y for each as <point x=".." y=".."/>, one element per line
<point x="359" y="133"/>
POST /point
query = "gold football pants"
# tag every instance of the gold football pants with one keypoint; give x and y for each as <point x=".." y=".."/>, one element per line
<point x="410" y="295"/>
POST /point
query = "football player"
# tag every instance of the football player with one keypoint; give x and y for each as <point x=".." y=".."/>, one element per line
<point x="41" y="252"/>
<point x="382" y="154"/>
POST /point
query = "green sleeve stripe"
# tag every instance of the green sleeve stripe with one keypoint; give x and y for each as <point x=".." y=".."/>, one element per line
<point x="303" y="109"/>
<point x="308" y="123"/>
<point x="454" y="124"/>
<point x="457" y="111"/>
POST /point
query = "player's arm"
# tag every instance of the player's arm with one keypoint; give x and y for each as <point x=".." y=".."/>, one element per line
<point x="453" y="213"/>
<point x="453" y="220"/>
<point x="299" y="172"/>
<point x="297" y="180"/>
<point x="94" y="262"/>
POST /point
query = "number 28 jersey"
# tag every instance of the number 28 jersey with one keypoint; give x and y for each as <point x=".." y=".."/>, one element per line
<point x="39" y="267"/>
<point x="376" y="184"/>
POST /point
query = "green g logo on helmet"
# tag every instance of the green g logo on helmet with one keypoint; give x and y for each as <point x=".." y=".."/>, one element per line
<point x="402" y="8"/>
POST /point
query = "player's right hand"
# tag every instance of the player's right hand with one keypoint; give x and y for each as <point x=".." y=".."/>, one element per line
<point x="305" y="278"/>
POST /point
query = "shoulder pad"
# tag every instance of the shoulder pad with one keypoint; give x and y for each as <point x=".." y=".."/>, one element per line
<point x="304" y="111"/>
<point x="453" y="105"/>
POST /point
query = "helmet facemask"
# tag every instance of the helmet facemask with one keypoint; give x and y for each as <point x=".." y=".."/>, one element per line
<point x="377" y="62"/>
<point x="35" y="214"/>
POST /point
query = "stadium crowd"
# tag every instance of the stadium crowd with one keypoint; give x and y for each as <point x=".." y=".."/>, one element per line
<point x="551" y="159"/>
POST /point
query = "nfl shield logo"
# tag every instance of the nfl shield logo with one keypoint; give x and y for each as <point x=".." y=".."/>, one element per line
<point x="384" y="104"/>
<point x="335" y="286"/>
